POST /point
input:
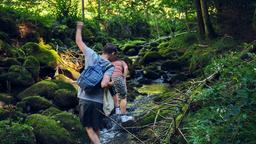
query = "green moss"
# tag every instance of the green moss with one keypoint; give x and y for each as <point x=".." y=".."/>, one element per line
<point x="65" y="99"/>
<point x="69" y="72"/>
<point x="7" y="62"/>
<point x="51" y="111"/>
<point x="64" y="85"/>
<point x="33" y="66"/>
<point x="45" y="55"/>
<point x="47" y="130"/>
<point x="153" y="89"/>
<point x="17" y="75"/>
<point x="44" y="88"/>
<point x="16" y="133"/>
<point x="33" y="104"/>
<point x="72" y="124"/>
<point x="10" y="51"/>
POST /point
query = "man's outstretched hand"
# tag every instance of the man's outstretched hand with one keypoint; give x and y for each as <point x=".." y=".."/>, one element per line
<point x="79" y="25"/>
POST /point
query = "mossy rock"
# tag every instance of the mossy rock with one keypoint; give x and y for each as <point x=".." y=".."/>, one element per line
<point x="65" y="99"/>
<point x="45" y="55"/>
<point x="47" y="130"/>
<point x="150" y="57"/>
<point x="132" y="48"/>
<point x="6" y="98"/>
<point x="171" y="65"/>
<point x="69" y="72"/>
<point x="44" y="88"/>
<point x="3" y="114"/>
<point x="51" y="111"/>
<point x="33" y="104"/>
<point x="18" y="76"/>
<point x="8" y="62"/>
<point x="33" y="66"/>
<point x="72" y="124"/>
<point x="9" y="51"/>
<point x="67" y="80"/>
<point x="224" y="44"/>
<point x="15" y="133"/>
<point x="151" y="74"/>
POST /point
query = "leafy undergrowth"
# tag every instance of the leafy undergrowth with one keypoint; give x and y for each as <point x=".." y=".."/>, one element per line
<point x="223" y="109"/>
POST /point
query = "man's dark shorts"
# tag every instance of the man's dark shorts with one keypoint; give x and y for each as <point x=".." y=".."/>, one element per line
<point x="90" y="116"/>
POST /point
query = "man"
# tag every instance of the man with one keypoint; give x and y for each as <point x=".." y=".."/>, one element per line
<point x="90" y="103"/>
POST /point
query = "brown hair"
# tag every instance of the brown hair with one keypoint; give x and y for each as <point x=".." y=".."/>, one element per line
<point x="109" y="49"/>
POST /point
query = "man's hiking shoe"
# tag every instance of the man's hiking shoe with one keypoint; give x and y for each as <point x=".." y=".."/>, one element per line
<point x="125" y="118"/>
<point x="117" y="110"/>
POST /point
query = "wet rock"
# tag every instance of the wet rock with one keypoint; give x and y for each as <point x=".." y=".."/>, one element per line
<point x="33" y="104"/>
<point x="150" y="74"/>
<point x="65" y="99"/>
<point x="33" y="66"/>
<point x="15" y="133"/>
<point x="47" y="130"/>
<point x="72" y="124"/>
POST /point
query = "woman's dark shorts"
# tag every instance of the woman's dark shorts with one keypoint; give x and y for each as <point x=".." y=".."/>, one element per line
<point x="90" y="116"/>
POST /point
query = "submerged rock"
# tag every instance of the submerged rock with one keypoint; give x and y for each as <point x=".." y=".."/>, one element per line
<point x="47" y="130"/>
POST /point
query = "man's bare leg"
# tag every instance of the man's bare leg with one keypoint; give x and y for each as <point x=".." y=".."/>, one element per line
<point x="93" y="135"/>
<point x="123" y="103"/>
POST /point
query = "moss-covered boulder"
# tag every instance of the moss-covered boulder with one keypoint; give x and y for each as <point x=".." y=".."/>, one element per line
<point x="69" y="72"/>
<point x="172" y="65"/>
<point x="15" y="133"/>
<point x="47" y="130"/>
<point x="33" y="66"/>
<point x="33" y="104"/>
<point x="9" y="51"/>
<point x="132" y="48"/>
<point x="65" y="99"/>
<point x="51" y="111"/>
<point x="44" y="88"/>
<point x="66" y="79"/>
<point x="45" y="55"/>
<point x="7" y="62"/>
<point x="150" y="57"/>
<point x="18" y="76"/>
<point x="72" y="124"/>
<point x="6" y="98"/>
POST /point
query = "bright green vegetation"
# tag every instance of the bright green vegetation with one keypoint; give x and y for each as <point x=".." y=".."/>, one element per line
<point x="152" y="89"/>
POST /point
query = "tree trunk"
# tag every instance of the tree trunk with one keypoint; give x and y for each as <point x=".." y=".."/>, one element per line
<point x="209" y="31"/>
<point x="200" y="21"/>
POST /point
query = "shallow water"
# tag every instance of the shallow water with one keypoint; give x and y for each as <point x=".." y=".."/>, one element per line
<point x="116" y="135"/>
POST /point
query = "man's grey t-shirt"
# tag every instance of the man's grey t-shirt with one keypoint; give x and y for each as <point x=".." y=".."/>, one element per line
<point x="91" y="58"/>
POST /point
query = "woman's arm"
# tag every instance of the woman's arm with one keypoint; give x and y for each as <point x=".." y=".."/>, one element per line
<point x="79" y="40"/>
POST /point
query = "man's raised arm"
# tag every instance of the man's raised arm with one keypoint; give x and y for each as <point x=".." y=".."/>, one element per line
<point x="79" y="40"/>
